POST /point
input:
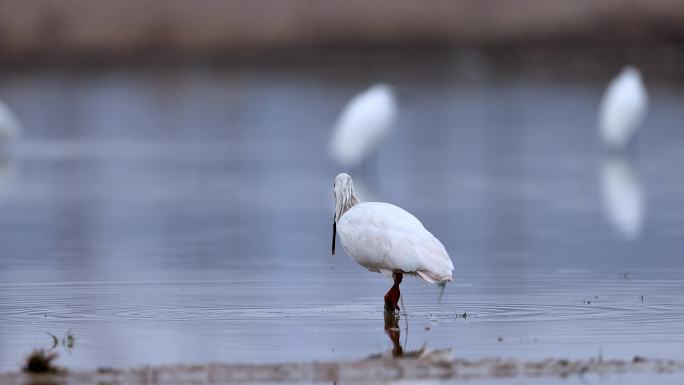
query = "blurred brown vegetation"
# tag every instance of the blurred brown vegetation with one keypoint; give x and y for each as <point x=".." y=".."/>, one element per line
<point x="35" y="30"/>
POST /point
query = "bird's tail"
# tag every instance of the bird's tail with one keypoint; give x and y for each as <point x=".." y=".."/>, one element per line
<point x="431" y="277"/>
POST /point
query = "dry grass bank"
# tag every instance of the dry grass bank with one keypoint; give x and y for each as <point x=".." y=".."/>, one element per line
<point x="102" y="30"/>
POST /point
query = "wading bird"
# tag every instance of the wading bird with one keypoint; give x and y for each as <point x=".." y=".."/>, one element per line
<point x="623" y="108"/>
<point x="386" y="239"/>
<point x="9" y="124"/>
<point x="363" y="124"/>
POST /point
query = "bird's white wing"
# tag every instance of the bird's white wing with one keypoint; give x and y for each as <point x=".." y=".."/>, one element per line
<point x="384" y="237"/>
<point x="363" y="124"/>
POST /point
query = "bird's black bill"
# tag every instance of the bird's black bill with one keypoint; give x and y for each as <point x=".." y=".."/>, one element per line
<point x="334" y="234"/>
<point x="442" y="285"/>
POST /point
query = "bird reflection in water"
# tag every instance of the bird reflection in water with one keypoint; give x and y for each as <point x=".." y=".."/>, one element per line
<point x="393" y="331"/>
<point x="623" y="196"/>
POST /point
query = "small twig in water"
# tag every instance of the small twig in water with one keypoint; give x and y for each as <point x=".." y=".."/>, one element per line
<point x="401" y="298"/>
<point x="55" y="340"/>
<point x="68" y="341"/>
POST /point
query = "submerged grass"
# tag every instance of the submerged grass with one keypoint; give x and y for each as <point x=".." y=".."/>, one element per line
<point x="40" y="361"/>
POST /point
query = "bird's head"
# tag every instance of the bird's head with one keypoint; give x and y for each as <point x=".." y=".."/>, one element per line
<point x="345" y="197"/>
<point x="382" y="87"/>
<point x="631" y="71"/>
<point x="343" y="189"/>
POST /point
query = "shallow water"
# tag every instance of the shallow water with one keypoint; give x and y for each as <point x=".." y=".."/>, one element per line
<point x="184" y="215"/>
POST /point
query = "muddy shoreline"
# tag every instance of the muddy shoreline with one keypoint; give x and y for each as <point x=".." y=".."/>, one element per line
<point x="427" y="366"/>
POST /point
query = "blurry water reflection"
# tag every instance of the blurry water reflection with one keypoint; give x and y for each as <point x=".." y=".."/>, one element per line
<point x="623" y="196"/>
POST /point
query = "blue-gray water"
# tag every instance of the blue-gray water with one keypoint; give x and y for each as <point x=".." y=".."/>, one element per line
<point x="184" y="215"/>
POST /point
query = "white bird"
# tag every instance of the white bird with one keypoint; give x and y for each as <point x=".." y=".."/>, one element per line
<point x="623" y="197"/>
<point x="623" y="108"/>
<point x="9" y="124"/>
<point x="387" y="239"/>
<point x="364" y="123"/>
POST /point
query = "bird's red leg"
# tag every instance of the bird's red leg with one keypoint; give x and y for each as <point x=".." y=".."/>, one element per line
<point x="392" y="296"/>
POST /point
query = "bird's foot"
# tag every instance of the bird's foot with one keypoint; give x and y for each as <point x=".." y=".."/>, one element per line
<point x="391" y="306"/>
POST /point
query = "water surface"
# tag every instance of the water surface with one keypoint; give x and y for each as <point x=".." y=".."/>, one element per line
<point x="184" y="215"/>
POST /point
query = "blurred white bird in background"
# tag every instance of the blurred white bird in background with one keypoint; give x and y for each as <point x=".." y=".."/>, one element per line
<point x="363" y="125"/>
<point x="623" y="108"/>
<point x="9" y="129"/>
<point x="9" y="125"/>
<point x="623" y="197"/>
<point x="387" y="239"/>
